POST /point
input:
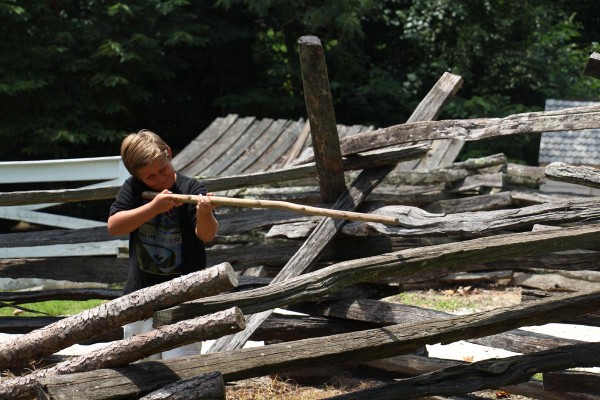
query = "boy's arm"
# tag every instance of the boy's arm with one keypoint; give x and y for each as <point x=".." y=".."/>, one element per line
<point x="206" y="224"/>
<point x="127" y="221"/>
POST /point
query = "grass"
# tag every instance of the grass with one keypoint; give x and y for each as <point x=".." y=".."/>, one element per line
<point x="55" y="308"/>
<point x="439" y="303"/>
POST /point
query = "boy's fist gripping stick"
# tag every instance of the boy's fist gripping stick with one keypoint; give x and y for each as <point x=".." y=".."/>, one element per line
<point x="282" y="205"/>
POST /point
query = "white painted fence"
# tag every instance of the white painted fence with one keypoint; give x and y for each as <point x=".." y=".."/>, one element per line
<point x="107" y="170"/>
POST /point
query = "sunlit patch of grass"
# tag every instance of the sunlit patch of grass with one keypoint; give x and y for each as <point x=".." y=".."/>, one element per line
<point x="55" y="308"/>
<point x="435" y="302"/>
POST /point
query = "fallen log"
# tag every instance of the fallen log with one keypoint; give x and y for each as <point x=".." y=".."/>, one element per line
<point x="415" y="221"/>
<point x="467" y="378"/>
<point x="452" y="257"/>
<point x="485" y="202"/>
<point x="386" y="313"/>
<point x="209" y="386"/>
<point x="356" y="346"/>
<point x="411" y="364"/>
<point x="135" y="348"/>
<point x="135" y="306"/>
<point x="474" y="129"/>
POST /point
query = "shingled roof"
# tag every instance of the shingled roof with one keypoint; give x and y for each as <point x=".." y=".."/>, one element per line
<point x="574" y="147"/>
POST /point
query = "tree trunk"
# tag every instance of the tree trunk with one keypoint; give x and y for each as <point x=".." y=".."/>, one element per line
<point x="356" y="346"/>
<point x="135" y="348"/>
<point x="132" y="307"/>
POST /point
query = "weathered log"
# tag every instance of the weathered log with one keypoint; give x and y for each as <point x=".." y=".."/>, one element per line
<point x="411" y="364"/>
<point x="481" y="183"/>
<point x="592" y="68"/>
<point x="356" y="346"/>
<point x="550" y="282"/>
<point x="479" y="375"/>
<point x="580" y="175"/>
<point x="137" y="347"/>
<point x="474" y="129"/>
<point x="524" y="175"/>
<point x="385" y="313"/>
<point x="209" y="386"/>
<point x="527" y="197"/>
<point x="319" y="107"/>
<point x="573" y="381"/>
<point x="414" y="221"/>
<point x="132" y="307"/>
<point x="452" y="257"/>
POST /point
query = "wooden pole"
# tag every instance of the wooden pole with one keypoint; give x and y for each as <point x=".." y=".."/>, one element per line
<point x="323" y="129"/>
<point x="282" y="205"/>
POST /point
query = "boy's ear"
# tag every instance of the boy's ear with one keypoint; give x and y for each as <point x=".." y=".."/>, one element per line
<point x="170" y="152"/>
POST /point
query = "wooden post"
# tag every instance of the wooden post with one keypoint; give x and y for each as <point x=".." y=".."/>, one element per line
<point x="323" y="130"/>
<point x="593" y="66"/>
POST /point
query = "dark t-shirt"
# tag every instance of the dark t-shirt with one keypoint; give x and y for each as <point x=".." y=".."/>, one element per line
<point x="166" y="246"/>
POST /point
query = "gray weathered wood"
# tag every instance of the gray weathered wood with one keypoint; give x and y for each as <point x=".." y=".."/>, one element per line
<point x="321" y="116"/>
<point x="132" y="307"/>
<point x="580" y="175"/>
<point x="126" y="351"/>
<point x="592" y="68"/>
<point x="484" y="202"/>
<point x="475" y="129"/>
<point x="455" y="257"/>
<point x="363" y="185"/>
<point x="356" y="346"/>
<point x="209" y="386"/>
<point x="467" y="378"/>
<point x="414" y="221"/>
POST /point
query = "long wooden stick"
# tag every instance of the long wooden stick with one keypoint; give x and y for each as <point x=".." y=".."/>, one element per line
<point x="282" y="205"/>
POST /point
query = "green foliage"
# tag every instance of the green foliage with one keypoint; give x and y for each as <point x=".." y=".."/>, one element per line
<point x="76" y="76"/>
<point x="55" y="308"/>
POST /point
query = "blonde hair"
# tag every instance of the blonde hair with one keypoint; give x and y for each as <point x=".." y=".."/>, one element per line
<point x="141" y="149"/>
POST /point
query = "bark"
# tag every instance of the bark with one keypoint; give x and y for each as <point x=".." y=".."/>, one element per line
<point x="209" y="386"/>
<point x="323" y="130"/>
<point x="452" y="257"/>
<point x="132" y="307"/>
<point x="135" y="348"/>
<point x="356" y="346"/>
<point x="462" y="379"/>
<point x="474" y="129"/>
<point x="580" y="175"/>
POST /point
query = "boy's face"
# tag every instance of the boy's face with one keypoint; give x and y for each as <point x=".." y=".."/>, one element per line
<point x="158" y="175"/>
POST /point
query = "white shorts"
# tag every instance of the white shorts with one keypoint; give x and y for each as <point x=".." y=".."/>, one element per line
<point x="138" y="327"/>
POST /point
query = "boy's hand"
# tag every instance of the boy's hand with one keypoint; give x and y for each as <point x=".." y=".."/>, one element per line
<point x="204" y="205"/>
<point x="163" y="202"/>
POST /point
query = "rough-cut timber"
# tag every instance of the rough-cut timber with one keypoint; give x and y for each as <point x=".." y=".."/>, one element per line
<point x="305" y="258"/>
<point x="321" y="116"/>
<point x="474" y="129"/>
<point x="462" y="379"/>
<point x="592" y="67"/>
<point x="573" y="381"/>
<point x="356" y="346"/>
<point x="452" y="257"/>
<point x="123" y="352"/>
<point x="135" y="306"/>
<point x="581" y="175"/>
<point x="210" y="386"/>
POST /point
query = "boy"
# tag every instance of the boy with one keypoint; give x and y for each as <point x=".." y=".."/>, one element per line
<point x="166" y="237"/>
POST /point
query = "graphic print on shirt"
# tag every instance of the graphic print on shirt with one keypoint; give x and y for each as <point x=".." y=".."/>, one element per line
<point x="160" y="246"/>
